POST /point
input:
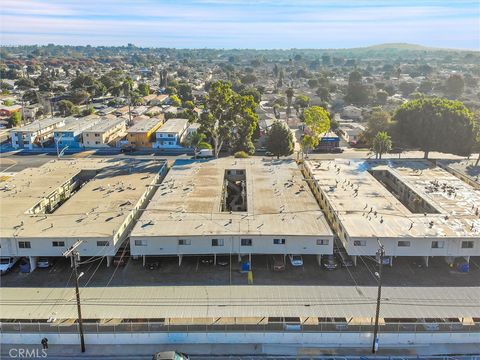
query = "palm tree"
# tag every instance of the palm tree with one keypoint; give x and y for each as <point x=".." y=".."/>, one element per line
<point x="382" y="143"/>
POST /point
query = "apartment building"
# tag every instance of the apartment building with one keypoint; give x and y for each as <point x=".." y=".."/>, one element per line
<point x="142" y="133"/>
<point x="45" y="210"/>
<point x="36" y="134"/>
<point x="104" y="133"/>
<point x="171" y="134"/>
<point x="71" y="134"/>
<point x="232" y="206"/>
<point x="411" y="207"/>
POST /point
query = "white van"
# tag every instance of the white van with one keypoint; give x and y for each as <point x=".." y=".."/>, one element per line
<point x="6" y="264"/>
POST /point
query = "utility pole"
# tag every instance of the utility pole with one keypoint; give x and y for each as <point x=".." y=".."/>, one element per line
<point x="380" y="255"/>
<point x="73" y="255"/>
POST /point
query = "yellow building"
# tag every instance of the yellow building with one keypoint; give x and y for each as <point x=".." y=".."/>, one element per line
<point x="104" y="133"/>
<point x="142" y="134"/>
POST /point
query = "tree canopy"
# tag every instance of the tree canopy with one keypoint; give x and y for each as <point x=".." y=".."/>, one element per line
<point x="435" y="124"/>
<point x="280" y="140"/>
<point x="317" y="119"/>
<point x="377" y="121"/>
<point x="382" y="143"/>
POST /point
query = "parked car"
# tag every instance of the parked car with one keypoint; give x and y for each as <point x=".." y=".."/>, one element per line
<point x="278" y="262"/>
<point x="336" y="150"/>
<point x="127" y="149"/>
<point x="343" y="258"/>
<point x="43" y="263"/>
<point x="7" y="263"/>
<point x="329" y="262"/>
<point x="205" y="153"/>
<point x="296" y="260"/>
<point x="170" y="355"/>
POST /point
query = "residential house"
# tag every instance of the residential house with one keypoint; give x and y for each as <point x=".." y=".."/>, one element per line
<point x="171" y="134"/>
<point x="142" y="133"/>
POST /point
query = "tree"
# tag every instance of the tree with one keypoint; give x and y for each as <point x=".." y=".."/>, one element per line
<point x="454" y="85"/>
<point x="189" y="104"/>
<point x="312" y="83"/>
<point x="407" y="87"/>
<point x="184" y="92"/>
<point x="382" y="97"/>
<point x="79" y="97"/>
<point x="279" y="140"/>
<point x="15" y="119"/>
<point x="253" y="92"/>
<point x="175" y="101"/>
<point x="357" y="92"/>
<point x="24" y="83"/>
<point x="435" y="124"/>
<point x="382" y="143"/>
<point x="317" y="119"/>
<point x="377" y="121"/>
<point x="324" y="94"/>
<point x="67" y="108"/>
<point x="144" y="89"/>
<point x="230" y="118"/>
<point x="88" y="111"/>
<point x="194" y="140"/>
<point x="309" y="142"/>
<point x="289" y="93"/>
<point x="301" y="102"/>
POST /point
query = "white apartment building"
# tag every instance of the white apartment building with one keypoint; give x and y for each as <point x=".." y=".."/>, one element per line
<point x="171" y="134"/>
<point x="36" y="134"/>
<point x="232" y="206"/>
<point x="411" y="207"/>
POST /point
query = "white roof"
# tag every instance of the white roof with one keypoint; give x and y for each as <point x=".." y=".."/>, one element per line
<point x="176" y="125"/>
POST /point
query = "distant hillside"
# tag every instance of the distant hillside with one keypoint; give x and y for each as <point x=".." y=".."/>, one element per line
<point x="406" y="46"/>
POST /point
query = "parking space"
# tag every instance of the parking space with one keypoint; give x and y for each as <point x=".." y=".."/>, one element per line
<point x="200" y="270"/>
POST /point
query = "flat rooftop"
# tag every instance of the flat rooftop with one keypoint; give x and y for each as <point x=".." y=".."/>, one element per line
<point x="173" y="126"/>
<point x="145" y="125"/>
<point x="366" y="208"/>
<point x="97" y="209"/>
<point x="466" y="168"/>
<point x="39" y="124"/>
<point x="105" y="124"/>
<point x="188" y="202"/>
<point x="78" y="125"/>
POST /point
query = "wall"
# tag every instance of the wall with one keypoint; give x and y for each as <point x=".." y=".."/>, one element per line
<point x="157" y="245"/>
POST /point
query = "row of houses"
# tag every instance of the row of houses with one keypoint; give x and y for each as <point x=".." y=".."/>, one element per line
<point x="97" y="132"/>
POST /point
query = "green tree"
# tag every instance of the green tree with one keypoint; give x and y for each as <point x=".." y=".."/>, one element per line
<point x="144" y="89"/>
<point x="382" y="97"/>
<point x="88" y="111"/>
<point x="79" y="97"/>
<point x="279" y="140"/>
<point x="382" y="143"/>
<point x="257" y="96"/>
<point x="184" y="92"/>
<point x="357" y="92"/>
<point x="435" y="124"/>
<point x="454" y="85"/>
<point x="317" y="119"/>
<point x="308" y="143"/>
<point x="8" y="102"/>
<point x="324" y="94"/>
<point x="67" y="108"/>
<point x="301" y="102"/>
<point x="189" y="104"/>
<point x="24" y="83"/>
<point x="194" y="140"/>
<point x="407" y="87"/>
<point x="15" y="119"/>
<point x="289" y="93"/>
<point x="175" y="101"/>
<point x="377" y="121"/>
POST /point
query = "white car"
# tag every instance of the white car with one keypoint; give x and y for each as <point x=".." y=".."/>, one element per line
<point x="43" y="263"/>
<point x="296" y="260"/>
<point x="6" y="264"/>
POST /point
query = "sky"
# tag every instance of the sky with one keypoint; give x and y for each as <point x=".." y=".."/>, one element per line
<point x="261" y="24"/>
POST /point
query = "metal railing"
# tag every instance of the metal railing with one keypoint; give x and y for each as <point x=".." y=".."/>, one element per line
<point x="151" y="327"/>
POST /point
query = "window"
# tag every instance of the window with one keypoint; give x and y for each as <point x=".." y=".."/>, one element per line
<point x="140" y="242"/>
<point x="438" y="244"/>
<point x="279" y="241"/>
<point x="322" y="242"/>
<point x="467" y="244"/>
<point x="360" y="243"/>
<point x="24" y="244"/>
<point x="58" y="243"/>
<point x="184" y="242"/>
<point x="103" y="243"/>
<point x="217" y="242"/>
<point x="97" y="135"/>
<point x="246" y="242"/>
<point x="403" y="243"/>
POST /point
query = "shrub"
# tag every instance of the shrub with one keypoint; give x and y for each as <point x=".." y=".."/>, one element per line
<point x="241" y="155"/>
